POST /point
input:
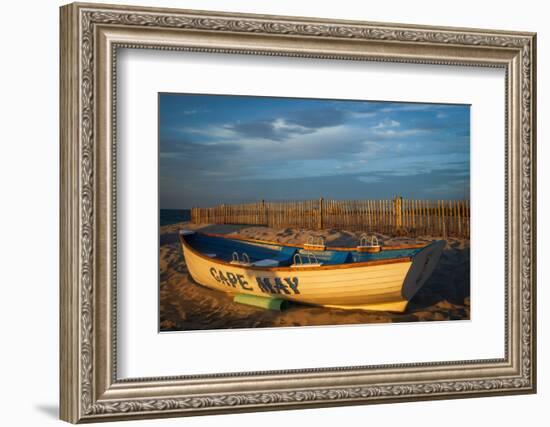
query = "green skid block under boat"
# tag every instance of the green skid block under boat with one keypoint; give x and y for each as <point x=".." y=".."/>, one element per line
<point x="261" y="302"/>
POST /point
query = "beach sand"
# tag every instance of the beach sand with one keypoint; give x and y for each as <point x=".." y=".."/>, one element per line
<point x="186" y="305"/>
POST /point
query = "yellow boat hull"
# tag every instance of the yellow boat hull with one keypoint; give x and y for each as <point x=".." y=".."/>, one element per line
<point x="380" y="285"/>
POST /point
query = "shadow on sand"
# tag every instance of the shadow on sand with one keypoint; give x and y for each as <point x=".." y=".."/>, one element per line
<point x="448" y="286"/>
<point x="185" y="305"/>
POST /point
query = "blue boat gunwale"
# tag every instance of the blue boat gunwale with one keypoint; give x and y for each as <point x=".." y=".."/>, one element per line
<point x="187" y="246"/>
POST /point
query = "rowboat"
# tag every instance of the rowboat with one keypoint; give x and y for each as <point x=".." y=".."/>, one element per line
<point x="348" y="278"/>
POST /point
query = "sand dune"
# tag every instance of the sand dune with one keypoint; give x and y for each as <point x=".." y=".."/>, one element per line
<point x="186" y="305"/>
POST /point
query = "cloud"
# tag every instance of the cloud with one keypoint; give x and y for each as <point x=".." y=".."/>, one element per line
<point x="391" y="133"/>
<point x="212" y="132"/>
<point x="318" y="118"/>
<point x="275" y="130"/>
<point x="362" y="114"/>
<point x="395" y="107"/>
<point x="297" y="122"/>
<point x="191" y="160"/>
<point x="184" y="147"/>
<point x="388" y="123"/>
<point x="315" y="153"/>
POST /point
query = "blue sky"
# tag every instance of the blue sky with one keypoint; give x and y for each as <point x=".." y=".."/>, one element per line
<point x="237" y="149"/>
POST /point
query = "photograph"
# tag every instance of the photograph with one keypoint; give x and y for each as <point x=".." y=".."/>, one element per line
<point x="277" y="212"/>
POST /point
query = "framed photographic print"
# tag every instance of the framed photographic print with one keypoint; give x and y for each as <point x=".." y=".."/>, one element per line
<point x="344" y="210"/>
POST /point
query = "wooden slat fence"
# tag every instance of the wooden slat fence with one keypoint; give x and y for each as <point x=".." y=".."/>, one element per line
<point x="392" y="216"/>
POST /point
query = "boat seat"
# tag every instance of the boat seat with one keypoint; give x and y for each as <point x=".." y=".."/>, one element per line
<point x="338" y="257"/>
<point x="329" y="257"/>
<point x="266" y="263"/>
<point x="283" y="255"/>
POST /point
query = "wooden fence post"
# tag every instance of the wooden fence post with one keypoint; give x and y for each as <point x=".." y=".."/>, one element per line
<point x="263" y="214"/>
<point x="320" y="226"/>
<point x="397" y="205"/>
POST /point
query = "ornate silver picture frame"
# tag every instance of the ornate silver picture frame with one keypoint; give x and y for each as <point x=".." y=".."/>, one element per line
<point x="91" y="390"/>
